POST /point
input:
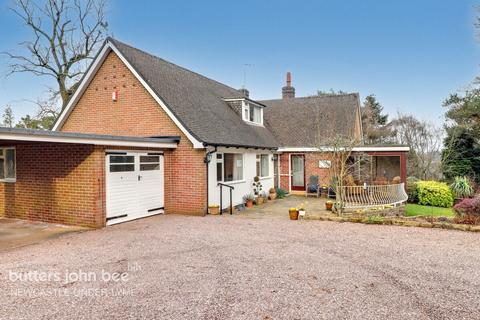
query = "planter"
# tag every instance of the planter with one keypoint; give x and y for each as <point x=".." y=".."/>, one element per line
<point x="249" y="203"/>
<point x="293" y="214"/>
<point x="214" y="210"/>
<point x="259" y="200"/>
<point x="273" y="196"/>
<point x="329" y="206"/>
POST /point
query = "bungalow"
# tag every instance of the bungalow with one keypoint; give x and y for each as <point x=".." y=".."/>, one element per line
<point x="142" y="136"/>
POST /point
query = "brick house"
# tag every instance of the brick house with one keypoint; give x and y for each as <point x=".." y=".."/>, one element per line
<point x="142" y="136"/>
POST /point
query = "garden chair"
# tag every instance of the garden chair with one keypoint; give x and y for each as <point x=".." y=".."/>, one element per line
<point x="313" y="188"/>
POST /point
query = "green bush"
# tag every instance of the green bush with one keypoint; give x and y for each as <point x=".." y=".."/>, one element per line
<point x="433" y="193"/>
<point x="281" y="193"/>
<point x="412" y="189"/>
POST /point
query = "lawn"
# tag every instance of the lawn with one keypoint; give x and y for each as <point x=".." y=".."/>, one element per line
<point x="418" y="210"/>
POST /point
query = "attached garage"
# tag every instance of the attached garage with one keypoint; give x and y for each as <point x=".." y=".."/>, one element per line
<point x="81" y="179"/>
<point x="135" y="185"/>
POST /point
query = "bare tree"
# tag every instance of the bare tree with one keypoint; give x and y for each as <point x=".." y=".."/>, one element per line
<point x="65" y="37"/>
<point x="424" y="140"/>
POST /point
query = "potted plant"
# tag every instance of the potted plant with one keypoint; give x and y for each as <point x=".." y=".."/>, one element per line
<point x="262" y="197"/>
<point x="257" y="189"/>
<point x="272" y="194"/>
<point x="293" y="212"/>
<point x="301" y="210"/>
<point x="248" y="200"/>
<point x="329" y="205"/>
<point x="214" y="209"/>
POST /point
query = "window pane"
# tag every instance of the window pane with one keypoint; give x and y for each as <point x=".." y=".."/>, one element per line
<point x="219" y="171"/>
<point x="122" y="168"/>
<point x="251" y="113"/>
<point x="10" y="163"/>
<point x="2" y="169"/>
<point x="233" y="167"/>
<point x="122" y="159"/>
<point x="255" y="114"/>
<point x="259" y="174"/>
<point x="219" y="156"/>
<point x="149" y="167"/>
<point x="264" y="165"/>
<point x="155" y="159"/>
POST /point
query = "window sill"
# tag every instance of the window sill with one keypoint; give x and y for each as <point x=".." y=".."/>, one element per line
<point x="265" y="178"/>
<point x="233" y="182"/>
<point x="8" y="180"/>
<point x="254" y="123"/>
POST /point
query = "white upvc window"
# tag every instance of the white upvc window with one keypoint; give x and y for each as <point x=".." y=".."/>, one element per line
<point x="229" y="167"/>
<point x="8" y="165"/>
<point x="263" y="167"/>
<point x="252" y="113"/>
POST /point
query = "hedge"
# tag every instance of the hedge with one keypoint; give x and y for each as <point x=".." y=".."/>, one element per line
<point x="433" y="193"/>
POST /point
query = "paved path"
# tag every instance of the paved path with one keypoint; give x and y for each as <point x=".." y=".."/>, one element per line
<point x="180" y="267"/>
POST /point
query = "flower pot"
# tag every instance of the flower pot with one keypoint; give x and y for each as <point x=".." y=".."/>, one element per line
<point x="259" y="200"/>
<point x="249" y="204"/>
<point x="329" y="206"/>
<point x="273" y="196"/>
<point x="293" y="214"/>
<point x="214" y="210"/>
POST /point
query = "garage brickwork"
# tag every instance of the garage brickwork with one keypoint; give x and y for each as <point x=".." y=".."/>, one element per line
<point x="57" y="183"/>
<point x="136" y="113"/>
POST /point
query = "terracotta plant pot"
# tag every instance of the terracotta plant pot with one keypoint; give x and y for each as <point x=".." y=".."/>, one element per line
<point x="293" y="214"/>
<point x="273" y="196"/>
<point x="249" y="204"/>
<point x="329" y="206"/>
<point x="214" y="210"/>
<point x="259" y="200"/>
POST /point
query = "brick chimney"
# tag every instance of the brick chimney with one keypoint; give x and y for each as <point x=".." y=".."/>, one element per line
<point x="288" y="92"/>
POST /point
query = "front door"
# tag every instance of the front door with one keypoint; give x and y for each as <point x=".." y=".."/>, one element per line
<point x="298" y="172"/>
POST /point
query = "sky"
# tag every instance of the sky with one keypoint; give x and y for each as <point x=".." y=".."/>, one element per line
<point x="411" y="54"/>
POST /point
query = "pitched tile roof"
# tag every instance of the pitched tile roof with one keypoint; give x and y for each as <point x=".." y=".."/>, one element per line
<point x="197" y="101"/>
<point x="310" y="121"/>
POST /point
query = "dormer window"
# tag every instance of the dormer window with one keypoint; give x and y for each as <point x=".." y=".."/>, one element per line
<point x="252" y="113"/>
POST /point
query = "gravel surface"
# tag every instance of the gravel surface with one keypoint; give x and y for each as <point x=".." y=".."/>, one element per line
<point x="179" y="267"/>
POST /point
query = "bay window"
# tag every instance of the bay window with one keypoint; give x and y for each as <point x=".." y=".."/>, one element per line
<point x="7" y="164"/>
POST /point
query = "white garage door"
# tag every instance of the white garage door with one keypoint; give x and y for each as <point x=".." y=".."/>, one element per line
<point x="135" y="185"/>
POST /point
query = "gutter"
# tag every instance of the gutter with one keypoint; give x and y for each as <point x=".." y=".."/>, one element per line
<point x="228" y="145"/>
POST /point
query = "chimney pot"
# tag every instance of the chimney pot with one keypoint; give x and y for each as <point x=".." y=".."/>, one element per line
<point x="288" y="92"/>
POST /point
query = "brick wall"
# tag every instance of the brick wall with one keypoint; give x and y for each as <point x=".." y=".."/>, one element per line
<point x="58" y="183"/>
<point x="136" y="113"/>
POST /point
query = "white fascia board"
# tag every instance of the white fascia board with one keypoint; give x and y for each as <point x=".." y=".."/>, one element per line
<point x="93" y="70"/>
<point x="356" y="149"/>
<point x="85" y="140"/>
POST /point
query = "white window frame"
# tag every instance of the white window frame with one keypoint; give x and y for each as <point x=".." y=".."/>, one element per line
<point x="246" y="112"/>
<point x="223" y="167"/>
<point x="259" y="162"/>
<point x="4" y="157"/>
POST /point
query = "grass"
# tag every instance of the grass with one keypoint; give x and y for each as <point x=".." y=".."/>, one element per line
<point x="418" y="210"/>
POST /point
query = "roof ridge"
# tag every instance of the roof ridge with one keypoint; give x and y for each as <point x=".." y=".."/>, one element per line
<point x="316" y="96"/>
<point x="171" y="63"/>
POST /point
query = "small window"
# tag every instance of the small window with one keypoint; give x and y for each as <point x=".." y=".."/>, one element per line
<point x="7" y="164"/>
<point x="122" y="163"/>
<point x="232" y="167"/>
<point x="255" y="114"/>
<point x="149" y="163"/>
<point x="263" y="165"/>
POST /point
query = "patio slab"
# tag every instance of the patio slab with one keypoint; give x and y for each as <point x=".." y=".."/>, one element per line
<point x="17" y="233"/>
<point x="279" y="208"/>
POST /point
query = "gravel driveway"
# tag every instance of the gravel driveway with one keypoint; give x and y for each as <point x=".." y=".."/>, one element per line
<point x="179" y="267"/>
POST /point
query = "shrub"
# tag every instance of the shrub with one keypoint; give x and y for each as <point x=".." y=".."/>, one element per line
<point x="468" y="211"/>
<point x="433" y="193"/>
<point x="461" y="187"/>
<point x="281" y="193"/>
<point x="412" y="189"/>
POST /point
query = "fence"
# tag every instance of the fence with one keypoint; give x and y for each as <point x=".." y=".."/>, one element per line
<point x="367" y="196"/>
